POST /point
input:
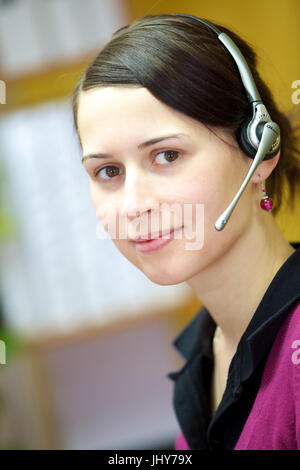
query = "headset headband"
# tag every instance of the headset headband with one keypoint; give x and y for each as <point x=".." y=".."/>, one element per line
<point x="245" y="72"/>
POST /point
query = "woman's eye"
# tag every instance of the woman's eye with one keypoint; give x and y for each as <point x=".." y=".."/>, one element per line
<point x="109" y="172"/>
<point x="172" y="159"/>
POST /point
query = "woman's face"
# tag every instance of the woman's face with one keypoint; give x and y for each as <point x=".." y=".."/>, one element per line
<point x="185" y="181"/>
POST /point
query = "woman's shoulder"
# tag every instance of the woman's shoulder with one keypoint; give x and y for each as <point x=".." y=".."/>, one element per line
<point x="291" y="325"/>
<point x="293" y="337"/>
<point x="285" y="353"/>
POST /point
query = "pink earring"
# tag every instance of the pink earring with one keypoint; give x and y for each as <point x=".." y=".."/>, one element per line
<point x="266" y="202"/>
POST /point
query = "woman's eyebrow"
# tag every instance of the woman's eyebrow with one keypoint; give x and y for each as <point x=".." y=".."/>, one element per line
<point x="140" y="146"/>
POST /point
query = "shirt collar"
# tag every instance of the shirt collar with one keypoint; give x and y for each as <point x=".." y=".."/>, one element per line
<point x="282" y="294"/>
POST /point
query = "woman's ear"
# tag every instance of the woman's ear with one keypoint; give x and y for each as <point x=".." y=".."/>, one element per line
<point x="264" y="169"/>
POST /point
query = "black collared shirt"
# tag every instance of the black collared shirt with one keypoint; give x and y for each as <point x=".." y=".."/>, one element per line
<point x="192" y="383"/>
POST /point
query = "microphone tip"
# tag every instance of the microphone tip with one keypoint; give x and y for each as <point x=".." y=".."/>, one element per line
<point x="220" y="224"/>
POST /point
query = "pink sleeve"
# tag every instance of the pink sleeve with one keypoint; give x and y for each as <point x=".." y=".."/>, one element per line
<point x="181" y="443"/>
<point x="296" y="372"/>
<point x="298" y="407"/>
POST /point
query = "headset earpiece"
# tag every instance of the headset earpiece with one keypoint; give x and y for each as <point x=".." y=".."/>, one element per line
<point x="250" y="132"/>
<point x="243" y="139"/>
<point x="242" y="136"/>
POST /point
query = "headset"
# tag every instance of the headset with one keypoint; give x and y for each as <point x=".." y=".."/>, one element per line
<point x="258" y="136"/>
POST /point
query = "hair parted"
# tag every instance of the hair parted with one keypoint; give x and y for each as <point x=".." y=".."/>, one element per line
<point x="184" y="65"/>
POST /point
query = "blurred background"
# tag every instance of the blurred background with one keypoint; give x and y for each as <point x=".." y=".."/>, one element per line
<point x="85" y="337"/>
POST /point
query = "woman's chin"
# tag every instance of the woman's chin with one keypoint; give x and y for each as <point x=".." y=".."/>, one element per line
<point x="163" y="277"/>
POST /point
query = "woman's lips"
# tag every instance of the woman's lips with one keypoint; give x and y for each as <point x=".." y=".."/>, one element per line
<point x="147" y="246"/>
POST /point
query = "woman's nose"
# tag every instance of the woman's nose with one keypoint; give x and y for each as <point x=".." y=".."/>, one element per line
<point x="137" y="207"/>
<point x="137" y="197"/>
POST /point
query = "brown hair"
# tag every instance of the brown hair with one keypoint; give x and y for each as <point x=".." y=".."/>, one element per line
<point x="184" y="65"/>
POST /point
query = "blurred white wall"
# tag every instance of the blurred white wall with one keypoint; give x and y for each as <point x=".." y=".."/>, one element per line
<point x="37" y="33"/>
<point x="109" y="391"/>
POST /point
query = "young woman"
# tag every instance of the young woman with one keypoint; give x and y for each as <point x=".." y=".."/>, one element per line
<point x="159" y="114"/>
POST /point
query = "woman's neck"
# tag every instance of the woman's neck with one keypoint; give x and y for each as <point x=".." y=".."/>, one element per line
<point x="232" y="287"/>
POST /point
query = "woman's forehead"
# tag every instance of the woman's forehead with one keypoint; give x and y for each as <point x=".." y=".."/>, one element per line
<point x="111" y="112"/>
